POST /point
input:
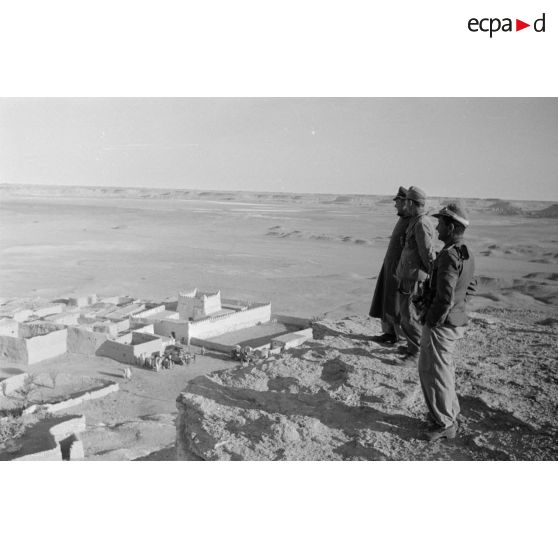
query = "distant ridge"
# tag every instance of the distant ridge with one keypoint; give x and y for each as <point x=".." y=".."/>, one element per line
<point x="492" y="205"/>
<point x="551" y="211"/>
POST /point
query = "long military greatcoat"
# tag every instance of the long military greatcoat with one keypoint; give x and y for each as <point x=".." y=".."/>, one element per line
<point x="385" y="294"/>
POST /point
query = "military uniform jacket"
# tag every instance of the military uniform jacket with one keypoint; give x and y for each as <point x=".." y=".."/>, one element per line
<point x="451" y="283"/>
<point x="384" y="299"/>
<point x="418" y="253"/>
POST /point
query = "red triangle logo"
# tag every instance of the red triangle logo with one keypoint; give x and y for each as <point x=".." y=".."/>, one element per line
<point x="519" y="25"/>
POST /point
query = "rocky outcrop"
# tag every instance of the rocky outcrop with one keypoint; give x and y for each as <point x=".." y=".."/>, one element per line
<point x="342" y="396"/>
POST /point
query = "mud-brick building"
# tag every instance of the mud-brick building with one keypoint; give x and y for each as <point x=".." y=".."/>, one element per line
<point x="32" y="342"/>
<point x="128" y="348"/>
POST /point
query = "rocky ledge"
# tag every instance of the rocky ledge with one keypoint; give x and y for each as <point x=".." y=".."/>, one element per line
<point x="342" y="397"/>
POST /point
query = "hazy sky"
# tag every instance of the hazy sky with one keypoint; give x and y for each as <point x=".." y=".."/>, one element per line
<point x="506" y="148"/>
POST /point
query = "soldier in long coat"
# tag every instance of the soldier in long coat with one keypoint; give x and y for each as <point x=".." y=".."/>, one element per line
<point x="384" y="301"/>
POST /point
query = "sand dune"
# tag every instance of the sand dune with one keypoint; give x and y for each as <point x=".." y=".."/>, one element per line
<point x="280" y="232"/>
<point x="549" y="212"/>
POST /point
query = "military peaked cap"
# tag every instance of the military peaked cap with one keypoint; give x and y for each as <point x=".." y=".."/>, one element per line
<point x="401" y="193"/>
<point x="416" y="194"/>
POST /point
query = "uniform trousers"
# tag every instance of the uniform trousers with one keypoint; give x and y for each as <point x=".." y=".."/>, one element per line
<point x="437" y="373"/>
<point x="409" y="319"/>
<point x="390" y="325"/>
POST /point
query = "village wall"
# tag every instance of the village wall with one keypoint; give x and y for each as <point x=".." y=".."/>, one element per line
<point x="43" y="311"/>
<point x="123" y="312"/>
<point x="143" y="328"/>
<point x="213" y="326"/>
<point x="145" y="343"/>
<point x="180" y="328"/>
<point x="83" y="341"/>
<point x="38" y="328"/>
<point x="106" y="328"/>
<point x="64" y="318"/>
<point x="122" y="325"/>
<point x="116" y="300"/>
<point x="46" y="346"/>
<point x="128" y="347"/>
<point x="116" y="351"/>
<point x="150" y="311"/>
<point x="36" y="343"/>
<point x="126" y="338"/>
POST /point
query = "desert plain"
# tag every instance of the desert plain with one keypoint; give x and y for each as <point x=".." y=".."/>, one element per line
<point x="311" y="255"/>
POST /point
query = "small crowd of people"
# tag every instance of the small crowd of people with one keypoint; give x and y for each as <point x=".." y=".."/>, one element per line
<point x="421" y="297"/>
<point x="165" y="361"/>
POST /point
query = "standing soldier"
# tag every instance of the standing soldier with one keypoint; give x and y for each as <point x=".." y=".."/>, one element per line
<point x="445" y="320"/>
<point x="384" y="301"/>
<point x="413" y="270"/>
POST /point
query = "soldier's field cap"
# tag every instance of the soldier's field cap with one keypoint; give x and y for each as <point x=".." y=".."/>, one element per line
<point x="401" y="193"/>
<point x="454" y="211"/>
<point x="416" y="194"/>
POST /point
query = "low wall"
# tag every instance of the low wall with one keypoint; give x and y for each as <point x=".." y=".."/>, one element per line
<point x="219" y="347"/>
<point x="288" y="341"/>
<point x="211" y="327"/>
<point x="95" y="393"/>
<point x="84" y="342"/>
<point x="291" y="320"/>
<point x="48" y="310"/>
